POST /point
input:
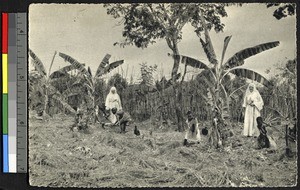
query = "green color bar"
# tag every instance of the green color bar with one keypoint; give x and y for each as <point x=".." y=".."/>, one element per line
<point x="5" y="114"/>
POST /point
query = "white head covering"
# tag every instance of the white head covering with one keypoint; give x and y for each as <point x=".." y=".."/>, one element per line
<point x="248" y="89"/>
<point x="258" y="101"/>
<point x="113" y="99"/>
<point x="113" y="89"/>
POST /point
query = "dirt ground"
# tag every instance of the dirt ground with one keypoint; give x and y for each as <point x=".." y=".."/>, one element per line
<point x="59" y="157"/>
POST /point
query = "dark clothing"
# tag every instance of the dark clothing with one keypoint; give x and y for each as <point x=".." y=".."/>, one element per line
<point x="263" y="140"/>
<point x="124" y="120"/>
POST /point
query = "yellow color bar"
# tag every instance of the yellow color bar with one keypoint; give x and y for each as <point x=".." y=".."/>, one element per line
<point x="4" y="73"/>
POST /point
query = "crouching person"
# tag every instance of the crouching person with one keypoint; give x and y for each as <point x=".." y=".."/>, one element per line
<point x="193" y="132"/>
<point x="264" y="140"/>
<point x="110" y="115"/>
<point x="123" y="120"/>
<point x="81" y="121"/>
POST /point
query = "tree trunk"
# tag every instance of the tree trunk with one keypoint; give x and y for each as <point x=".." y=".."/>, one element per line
<point x="178" y="106"/>
<point x="215" y="138"/>
<point x="177" y="89"/>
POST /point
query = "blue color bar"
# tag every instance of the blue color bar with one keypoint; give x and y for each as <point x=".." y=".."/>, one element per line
<point x="5" y="154"/>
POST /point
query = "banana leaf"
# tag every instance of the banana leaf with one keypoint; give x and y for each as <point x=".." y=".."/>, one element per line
<point x="252" y="75"/>
<point x="191" y="62"/>
<point x="59" y="100"/>
<point x="61" y="71"/>
<point x="38" y="64"/>
<point x="89" y="70"/>
<point x="75" y="63"/>
<point x="226" y="42"/>
<point x="51" y="89"/>
<point x="238" y="58"/>
<point x="75" y="88"/>
<point x="62" y="77"/>
<point x="103" y="64"/>
<point x="110" y="67"/>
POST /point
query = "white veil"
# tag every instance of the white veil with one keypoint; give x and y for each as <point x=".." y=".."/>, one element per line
<point x="112" y="96"/>
<point x="258" y="101"/>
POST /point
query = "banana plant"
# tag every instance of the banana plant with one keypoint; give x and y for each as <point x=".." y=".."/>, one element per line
<point x="45" y="81"/>
<point x="216" y="92"/>
<point x="86" y="83"/>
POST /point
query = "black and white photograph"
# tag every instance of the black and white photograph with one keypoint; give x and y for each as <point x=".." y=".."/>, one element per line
<point x="162" y="95"/>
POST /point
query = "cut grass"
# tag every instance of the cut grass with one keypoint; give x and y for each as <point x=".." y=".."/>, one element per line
<point x="59" y="157"/>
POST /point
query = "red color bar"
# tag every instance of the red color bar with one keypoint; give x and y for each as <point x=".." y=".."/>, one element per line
<point x="4" y="33"/>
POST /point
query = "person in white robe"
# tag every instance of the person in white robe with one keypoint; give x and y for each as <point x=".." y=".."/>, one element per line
<point x="193" y="132"/>
<point x="253" y="104"/>
<point x="113" y="101"/>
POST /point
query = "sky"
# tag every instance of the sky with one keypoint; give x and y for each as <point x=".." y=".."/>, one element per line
<point x="87" y="33"/>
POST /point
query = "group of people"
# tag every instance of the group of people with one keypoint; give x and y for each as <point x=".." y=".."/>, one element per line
<point x="253" y="122"/>
<point x="114" y="112"/>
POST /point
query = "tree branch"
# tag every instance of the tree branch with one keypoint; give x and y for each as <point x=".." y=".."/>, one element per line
<point x="165" y="12"/>
<point x="157" y="18"/>
<point x="170" y="44"/>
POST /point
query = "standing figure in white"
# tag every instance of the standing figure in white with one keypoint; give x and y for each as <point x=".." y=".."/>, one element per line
<point x="253" y="104"/>
<point x="113" y="101"/>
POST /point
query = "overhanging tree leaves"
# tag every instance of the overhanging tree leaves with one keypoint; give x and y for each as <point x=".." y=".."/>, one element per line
<point x="145" y="23"/>
<point x="283" y="9"/>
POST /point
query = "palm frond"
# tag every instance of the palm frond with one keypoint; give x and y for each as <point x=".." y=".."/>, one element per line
<point x="238" y="58"/>
<point x="38" y="64"/>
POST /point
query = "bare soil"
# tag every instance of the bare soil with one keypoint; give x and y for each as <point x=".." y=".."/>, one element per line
<point x="59" y="157"/>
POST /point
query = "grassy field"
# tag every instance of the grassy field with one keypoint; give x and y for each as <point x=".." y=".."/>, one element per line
<point x="59" y="157"/>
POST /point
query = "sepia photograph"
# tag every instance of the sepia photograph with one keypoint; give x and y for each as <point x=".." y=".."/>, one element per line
<point x="162" y="95"/>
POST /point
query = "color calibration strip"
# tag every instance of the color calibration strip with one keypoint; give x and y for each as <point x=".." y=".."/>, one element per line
<point x="14" y="71"/>
<point x="12" y="92"/>
<point x="5" y="91"/>
<point x="21" y="58"/>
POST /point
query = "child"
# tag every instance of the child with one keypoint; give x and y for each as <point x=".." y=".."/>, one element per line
<point x="193" y="132"/>
<point x="263" y="140"/>
<point x="110" y="115"/>
<point x="81" y="120"/>
<point x="123" y="119"/>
